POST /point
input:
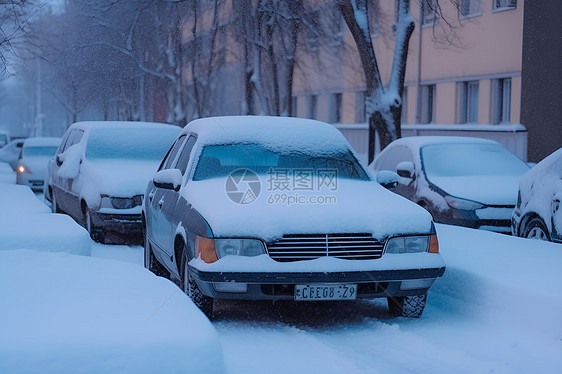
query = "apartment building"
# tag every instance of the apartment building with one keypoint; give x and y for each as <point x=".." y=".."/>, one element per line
<point x="481" y="64"/>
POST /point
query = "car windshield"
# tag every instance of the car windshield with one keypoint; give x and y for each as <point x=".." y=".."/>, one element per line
<point x="130" y="143"/>
<point x="453" y="160"/>
<point x="220" y="160"/>
<point x="3" y="140"/>
<point x="39" y="151"/>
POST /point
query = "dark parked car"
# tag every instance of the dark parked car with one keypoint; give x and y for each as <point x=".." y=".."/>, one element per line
<point x="460" y="180"/>
<point x="281" y="209"/>
<point x="100" y="171"/>
<point x="538" y="214"/>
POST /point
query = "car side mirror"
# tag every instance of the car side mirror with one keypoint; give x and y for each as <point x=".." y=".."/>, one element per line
<point x="387" y="179"/>
<point x="58" y="160"/>
<point x="405" y="169"/>
<point x="169" y="179"/>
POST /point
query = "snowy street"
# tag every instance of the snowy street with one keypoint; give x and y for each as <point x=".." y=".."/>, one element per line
<point x="496" y="310"/>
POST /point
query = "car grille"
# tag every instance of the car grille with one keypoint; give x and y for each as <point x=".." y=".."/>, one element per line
<point x="308" y="247"/>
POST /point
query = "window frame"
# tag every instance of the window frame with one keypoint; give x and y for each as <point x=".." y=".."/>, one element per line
<point x="503" y="8"/>
<point x="472" y="13"/>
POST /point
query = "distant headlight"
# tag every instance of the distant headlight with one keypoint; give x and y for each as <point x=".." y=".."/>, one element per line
<point x="22" y="169"/>
<point x="210" y="250"/>
<point x="408" y="244"/>
<point x="456" y="203"/>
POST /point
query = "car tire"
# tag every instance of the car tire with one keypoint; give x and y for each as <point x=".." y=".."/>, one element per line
<point x="151" y="263"/>
<point x="407" y="306"/>
<point x="536" y="229"/>
<point x="54" y="206"/>
<point x="95" y="233"/>
<point x="202" y="301"/>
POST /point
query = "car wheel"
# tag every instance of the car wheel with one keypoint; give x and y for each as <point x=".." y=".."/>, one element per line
<point x="54" y="206"/>
<point x="151" y="263"/>
<point x="95" y="233"/>
<point x="407" y="306"/>
<point x="203" y="302"/>
<point x="536" y="229"/>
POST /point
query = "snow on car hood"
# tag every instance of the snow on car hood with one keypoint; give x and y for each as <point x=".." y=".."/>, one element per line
<point x="489" y="190"/>
<point x="359" y="207"/>
<point x="119" y="178"/>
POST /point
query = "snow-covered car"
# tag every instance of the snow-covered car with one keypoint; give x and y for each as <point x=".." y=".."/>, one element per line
<point x="31" y="167"/>
<point x="537" y="214"/>
<point x="461" y="181"/>
<point x="11" y="152"/>
<point x="272" y="208"/>
<point x="100" y="171"/>
<point x="4" y="138"/>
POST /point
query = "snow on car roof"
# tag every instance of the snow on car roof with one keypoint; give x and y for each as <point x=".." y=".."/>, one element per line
<point x="89" y="125"/>
<point x="279" y="133"/>
<point x="421" y="141"/>
<point x="42" y="142"/>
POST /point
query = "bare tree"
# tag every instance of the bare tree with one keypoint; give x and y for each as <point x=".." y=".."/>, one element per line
<point x="383" y="103"/>
<point x="14" y="17"/>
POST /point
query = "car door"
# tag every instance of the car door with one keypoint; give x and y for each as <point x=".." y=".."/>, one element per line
<point x="157" y="229"/>
<point x="173" y="205"/>
<point x="393" y="157"/>
<point x="70" y="200"/>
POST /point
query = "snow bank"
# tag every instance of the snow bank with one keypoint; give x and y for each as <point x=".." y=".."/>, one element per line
<point x="63" y="313"/>
<point x="28" y="223"/>
<point x="7" y="174"/>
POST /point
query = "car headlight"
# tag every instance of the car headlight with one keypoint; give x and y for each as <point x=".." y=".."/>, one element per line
<point x="22" y="169"/>
<point x="463" y="204"/>
<point x="210" y="250"/>
<point x="413" y="244"/>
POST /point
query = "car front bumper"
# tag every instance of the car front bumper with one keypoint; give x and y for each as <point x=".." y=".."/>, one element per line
<point x="281" y="285"/>
<point x="119" y="223"/>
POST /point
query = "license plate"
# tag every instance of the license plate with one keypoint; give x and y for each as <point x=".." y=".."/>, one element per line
<point x="312" y="292"/>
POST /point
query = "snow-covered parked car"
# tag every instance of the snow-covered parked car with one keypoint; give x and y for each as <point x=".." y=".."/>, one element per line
<point x="100" y="172"/>
<point x="34" y="157"/>
<point x="461" y="181"/>
<point x="537" y="214"/>
<point x="276" y="208"/>
<point x="7" y="174"/>
<point x="11" y="152"/>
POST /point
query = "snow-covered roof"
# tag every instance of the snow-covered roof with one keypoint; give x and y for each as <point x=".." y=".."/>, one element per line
<point x="42" y="142"/>
<point x="280" y="133"/>
<point x="421" y="141"/>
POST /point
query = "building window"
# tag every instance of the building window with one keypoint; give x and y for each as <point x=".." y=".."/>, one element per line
<point x="428" y="12"/>
<point x="336" y="108"/>
<point x="312" y="106"/>
<point x="505" y="4"/>
<point x="468" y="103"/>
<point x="428" y="103"/>
<point x="502" y="101"/>
<point x="470" y="8"/>
<point x="360" y="114"/>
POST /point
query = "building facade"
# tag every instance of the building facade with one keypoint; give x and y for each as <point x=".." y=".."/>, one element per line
<point x="468" y="62"/>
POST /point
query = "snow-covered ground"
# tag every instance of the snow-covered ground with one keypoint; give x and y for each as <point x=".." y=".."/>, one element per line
<point x="497" y="310"/>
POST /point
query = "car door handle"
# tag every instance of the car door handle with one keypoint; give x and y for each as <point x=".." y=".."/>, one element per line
<point x="161" y="202"/>
<point x="150" y="196"/>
